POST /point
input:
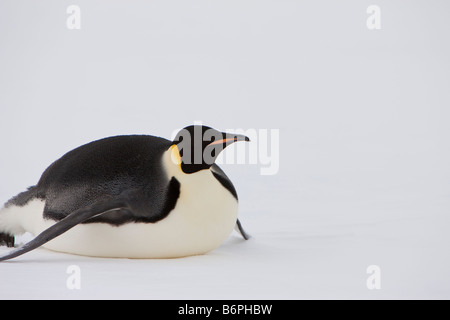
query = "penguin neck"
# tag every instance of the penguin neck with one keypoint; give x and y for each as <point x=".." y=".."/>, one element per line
<point x="172" y="165"/>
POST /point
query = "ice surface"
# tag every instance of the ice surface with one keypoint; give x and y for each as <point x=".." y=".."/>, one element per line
<point x="304" y="259"/>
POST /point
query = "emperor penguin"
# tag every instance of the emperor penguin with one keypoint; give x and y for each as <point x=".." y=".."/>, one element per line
<point x="135" y="196"/>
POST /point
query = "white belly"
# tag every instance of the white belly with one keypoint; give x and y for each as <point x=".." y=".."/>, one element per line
<point x="201" y="221"/>
<point x="204" y="216"/>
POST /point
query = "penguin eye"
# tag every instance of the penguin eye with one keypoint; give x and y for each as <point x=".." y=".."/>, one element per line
<point x="181" y="153"/>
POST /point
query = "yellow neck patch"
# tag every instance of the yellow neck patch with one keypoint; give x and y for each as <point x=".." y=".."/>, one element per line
<point x="175" y="155"/>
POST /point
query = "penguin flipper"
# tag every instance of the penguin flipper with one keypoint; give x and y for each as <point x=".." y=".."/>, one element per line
<point x="241" y="230"/>
<point x="66" y="224"/>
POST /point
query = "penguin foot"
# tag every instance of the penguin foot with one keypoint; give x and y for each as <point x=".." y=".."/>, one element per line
<point x="241" y="230"/>
<point x="6" y="240"/>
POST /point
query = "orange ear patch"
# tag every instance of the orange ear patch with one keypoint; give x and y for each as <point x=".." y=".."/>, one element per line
<point x="175" y="155"/>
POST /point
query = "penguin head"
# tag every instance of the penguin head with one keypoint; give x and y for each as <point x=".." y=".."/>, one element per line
<point x="196" y="147"/>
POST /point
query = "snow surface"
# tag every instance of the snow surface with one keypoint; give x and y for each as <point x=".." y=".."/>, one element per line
<point x="364" y="137"/>
<point x="307" y="258"/>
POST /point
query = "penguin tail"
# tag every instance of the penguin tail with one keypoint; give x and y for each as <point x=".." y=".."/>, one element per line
<point x="10" y="219"/>
<point x="73" y="219"/>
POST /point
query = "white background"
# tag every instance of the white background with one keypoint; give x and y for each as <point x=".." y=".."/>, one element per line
<point x="364" y="137"/>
